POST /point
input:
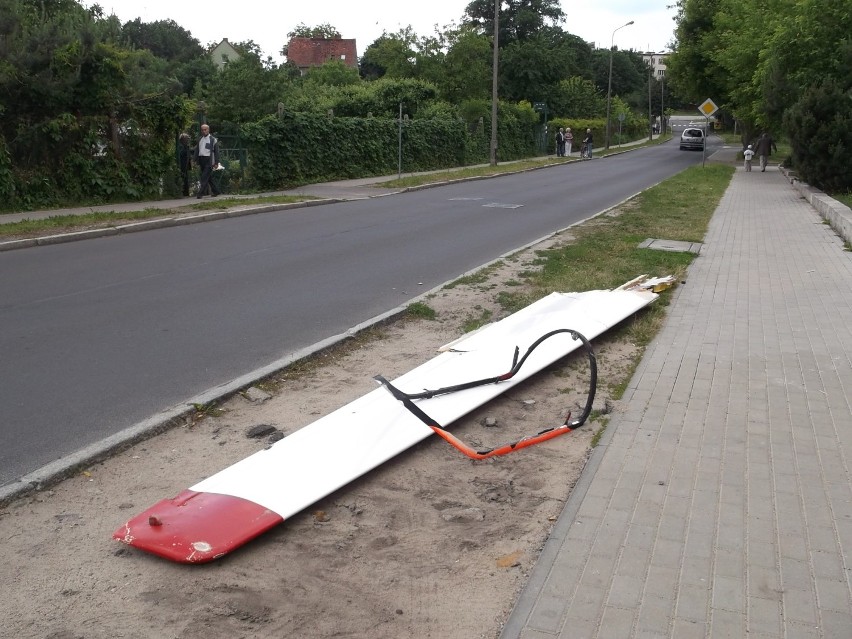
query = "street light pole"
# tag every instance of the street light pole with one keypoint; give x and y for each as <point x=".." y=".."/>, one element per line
<point x="650" y="115"/>
<point x="609" y="85"/>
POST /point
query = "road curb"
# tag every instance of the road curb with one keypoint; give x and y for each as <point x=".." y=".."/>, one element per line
<point x="837" y="214"/>
<point x="65" y="467"/>
<point x="159" y="223"/>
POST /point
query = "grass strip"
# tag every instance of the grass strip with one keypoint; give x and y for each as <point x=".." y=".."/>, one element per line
<point x="507" y="167"/>
<point x="604" y="252"/>
<point x="105" y="219"/>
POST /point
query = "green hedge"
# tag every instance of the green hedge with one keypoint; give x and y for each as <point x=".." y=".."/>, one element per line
<point x="7" y="177"/>
<point x="302" y="148"/>
<point x="281" y="151"/>
<point x="70" y="159"/>
<point x="633" y="129"/>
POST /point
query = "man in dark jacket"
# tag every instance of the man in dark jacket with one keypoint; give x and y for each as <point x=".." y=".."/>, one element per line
<point x="184" y="161"/>
<point x="764" y="147"/>
<point x="207" y="157"/>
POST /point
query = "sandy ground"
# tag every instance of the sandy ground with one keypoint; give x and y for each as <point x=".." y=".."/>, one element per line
<point x="430" y="544"/>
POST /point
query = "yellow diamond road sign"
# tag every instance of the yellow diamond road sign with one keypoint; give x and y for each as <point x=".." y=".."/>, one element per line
<point x="708" y="107"/>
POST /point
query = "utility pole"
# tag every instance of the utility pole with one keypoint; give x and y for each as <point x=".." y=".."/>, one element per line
<point x="399" y="156"/>
<point x="494" y="84"/>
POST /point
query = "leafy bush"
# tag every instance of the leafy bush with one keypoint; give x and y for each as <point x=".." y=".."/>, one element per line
<point x="819" y="127"/>
<point x="7" y="178"/>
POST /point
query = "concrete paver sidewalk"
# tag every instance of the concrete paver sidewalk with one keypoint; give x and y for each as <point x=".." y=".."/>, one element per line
<point x="719" y="503"/>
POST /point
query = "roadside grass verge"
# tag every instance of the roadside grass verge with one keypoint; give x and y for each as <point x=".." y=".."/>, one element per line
<point x="843" y="198"/>
<point x="605" y="253"/>
<point x="105" y="219"/>
<point x="506" y="167"/>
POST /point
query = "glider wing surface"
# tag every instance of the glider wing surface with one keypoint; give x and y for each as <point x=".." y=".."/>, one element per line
<point x="226" y="510"/>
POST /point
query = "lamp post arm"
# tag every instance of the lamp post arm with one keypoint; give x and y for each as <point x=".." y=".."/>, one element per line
<point x="609" y="82"/>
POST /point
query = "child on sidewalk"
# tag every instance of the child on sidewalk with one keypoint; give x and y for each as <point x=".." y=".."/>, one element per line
<point x="748" y="154"/>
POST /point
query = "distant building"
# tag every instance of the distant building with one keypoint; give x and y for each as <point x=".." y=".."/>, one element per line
<point x="657" y="61"/>
<point x="306" y="53"/>
<point x="223" y="52"/>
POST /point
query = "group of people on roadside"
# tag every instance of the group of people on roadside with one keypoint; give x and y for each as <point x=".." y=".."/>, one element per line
<point x="763" y="148"/>
<point x="205" y="155"/>
<point x="565" y="140"/>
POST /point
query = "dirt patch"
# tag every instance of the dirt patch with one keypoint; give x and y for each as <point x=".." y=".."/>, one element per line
<point x="431" y="544"/>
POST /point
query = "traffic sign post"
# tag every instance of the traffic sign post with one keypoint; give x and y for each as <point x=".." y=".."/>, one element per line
<point x="707" y="108"/>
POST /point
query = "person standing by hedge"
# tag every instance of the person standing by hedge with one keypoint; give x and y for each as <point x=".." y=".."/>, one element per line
<point x="569" y="140"/>
<point x="560" y="142"/>
<point x="588" y="143"/>
<point x="184" y="161"/>
<point x="207" y="158"/>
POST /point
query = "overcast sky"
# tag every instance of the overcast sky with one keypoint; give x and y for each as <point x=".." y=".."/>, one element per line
<point x="267" y="23"/>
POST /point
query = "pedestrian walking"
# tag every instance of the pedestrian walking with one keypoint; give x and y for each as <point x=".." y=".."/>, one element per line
<point x="764" y="147"/>
<point x="207" y="158"/>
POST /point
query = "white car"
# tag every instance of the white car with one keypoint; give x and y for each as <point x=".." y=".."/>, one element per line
<point x="692" y="138"/>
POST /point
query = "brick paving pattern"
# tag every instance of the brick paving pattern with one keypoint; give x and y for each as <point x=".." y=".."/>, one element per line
<point x="719" y="503"/>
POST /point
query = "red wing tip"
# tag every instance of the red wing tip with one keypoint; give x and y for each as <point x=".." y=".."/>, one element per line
<point x="196" y="527"/>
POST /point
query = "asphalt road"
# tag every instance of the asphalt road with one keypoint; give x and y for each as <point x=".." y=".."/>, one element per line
<point x="100" y="335"/>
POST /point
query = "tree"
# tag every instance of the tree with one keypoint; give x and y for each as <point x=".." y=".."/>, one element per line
<point x="627" y="76"/>
<point x="84" y="118"/>
<point x="430" y="54"/>
<point x="185" y="60"/>
<point x="531" y="69"/>
<point x="323" y="31"/>
<point x="577" y="97"/>
<point x="392" y="54"/>
<point x="520" y="20"/>
<point x="691" y="69"/>
<point x="244" y="91"/>
<point x="775" y="65"/>
<point x="333" y="73"/>
<point x="163" y="38"/>
<point x="821" y="32"/>
<point x="52" y="58"/>
<point x="466" y="70"/>
<point x="819" y="125"/>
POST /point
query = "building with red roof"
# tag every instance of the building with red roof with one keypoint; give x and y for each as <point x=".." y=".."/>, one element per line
<point x="306" y="53"/>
